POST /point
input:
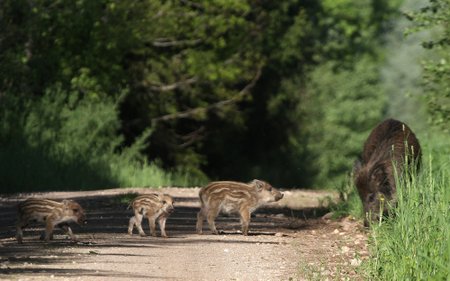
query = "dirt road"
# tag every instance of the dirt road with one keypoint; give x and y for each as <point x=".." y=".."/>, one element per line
<point x="287" y="241"/>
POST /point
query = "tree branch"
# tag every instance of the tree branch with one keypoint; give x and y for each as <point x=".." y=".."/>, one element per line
<point x="166" y="42"/>
<point x="191" y="112"/>
<point x="171" y="87"/>
<point x="192" y="137"/>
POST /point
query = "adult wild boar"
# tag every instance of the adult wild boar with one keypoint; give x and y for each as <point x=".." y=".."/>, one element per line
<point x="390" y="144"/>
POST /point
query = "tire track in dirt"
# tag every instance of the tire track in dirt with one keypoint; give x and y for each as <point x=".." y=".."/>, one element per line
<point x="284" y="243"/>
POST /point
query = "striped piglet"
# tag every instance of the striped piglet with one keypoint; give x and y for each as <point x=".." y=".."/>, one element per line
<point x="154" y="207"/>
<point x="51" y="213"/>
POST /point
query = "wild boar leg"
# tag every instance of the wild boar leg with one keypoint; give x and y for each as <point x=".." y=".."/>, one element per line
<point x="138" y="223"/>
<point x="245" y="220"/>
<point x="152" y="223"/>
<point x="68" y="231"/>
<point x="212" y="214"/>
<point x="19" y="233"/>
<point x="162" y="226"/>
<point x="49" y="226"/>
<point x="131" y="225"/>
<point x="200" y="218"/>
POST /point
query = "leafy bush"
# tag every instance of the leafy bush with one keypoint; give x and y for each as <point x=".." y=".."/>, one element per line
<point x="435" y="18"/>
<point x="69" y="140"/>
<point x="344" y="105"/>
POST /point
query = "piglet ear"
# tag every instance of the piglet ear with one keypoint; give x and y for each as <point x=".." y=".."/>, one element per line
<point x="378" y="173"/>
<point x="66" y="202"/>
<point x="258" y="183"/>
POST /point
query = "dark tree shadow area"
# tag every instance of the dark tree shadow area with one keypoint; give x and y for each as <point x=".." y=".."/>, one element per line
<point x="28" y="169"/>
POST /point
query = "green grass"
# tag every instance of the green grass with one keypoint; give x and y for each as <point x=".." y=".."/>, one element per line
<point x="53" y="143"/>
<point x="25" y="169"/>
<point x="415" y="243"/>
<point x="150" y="175"/>
<point x="350" y="203"/>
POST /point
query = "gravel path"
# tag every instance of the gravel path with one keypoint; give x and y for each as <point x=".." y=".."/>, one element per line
<point x="287" y="241"/>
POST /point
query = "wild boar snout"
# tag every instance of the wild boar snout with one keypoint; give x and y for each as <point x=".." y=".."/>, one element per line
<point x="82" y="220"/>
<point x="170" y="209"/>
<point x="278" y="196"/>
<point x="275" y="195"/>
<point x="76" y="211"/>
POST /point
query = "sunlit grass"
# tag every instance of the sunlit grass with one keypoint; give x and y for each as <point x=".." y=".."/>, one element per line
<point x="150" y="175"/>
<point x="414" y="244"/>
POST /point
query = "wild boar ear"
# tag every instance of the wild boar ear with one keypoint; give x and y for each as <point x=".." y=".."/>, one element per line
<point x="357" y="166"/>
<point x="66" y="202"/>
<point x="259" y="184"/>
<point x="371" y="197"/>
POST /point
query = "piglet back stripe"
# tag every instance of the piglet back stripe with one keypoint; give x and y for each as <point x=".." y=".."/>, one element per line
<point x="41" y="201"/>
<point x="225" y="185"/>
<point x="35" y="205"/>
<point x="39" y="206"/>
<point x="234" y="189"/>
<point x="146" y="200"/>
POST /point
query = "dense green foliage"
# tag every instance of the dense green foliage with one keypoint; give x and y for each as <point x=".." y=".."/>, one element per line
<point x="281" y="90"/>
<point x="342" y="122"/>
<point x="435" y="17"/>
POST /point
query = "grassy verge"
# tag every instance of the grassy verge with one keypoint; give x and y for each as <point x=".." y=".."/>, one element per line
<point x="415" y="243"/>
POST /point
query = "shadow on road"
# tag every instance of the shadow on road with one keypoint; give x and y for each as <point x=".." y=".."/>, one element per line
<point x="108" y="218"/>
